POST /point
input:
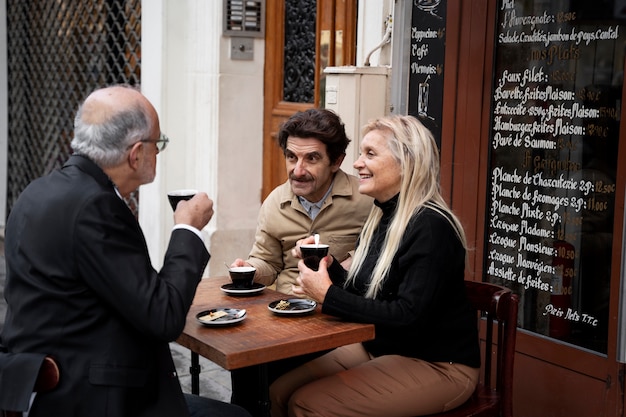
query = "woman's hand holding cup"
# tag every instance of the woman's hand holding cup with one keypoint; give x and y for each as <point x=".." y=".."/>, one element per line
<point x="311" y="283"/>
<point x="311" y="251"/>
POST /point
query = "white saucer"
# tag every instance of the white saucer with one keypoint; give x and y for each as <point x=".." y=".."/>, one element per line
<point x="230" y="289"/>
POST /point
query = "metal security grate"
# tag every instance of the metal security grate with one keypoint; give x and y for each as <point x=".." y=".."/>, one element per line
<point x="58" y="52"/>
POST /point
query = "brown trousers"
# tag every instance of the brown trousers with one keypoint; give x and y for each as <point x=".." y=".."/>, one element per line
<point x="348" y="382"/>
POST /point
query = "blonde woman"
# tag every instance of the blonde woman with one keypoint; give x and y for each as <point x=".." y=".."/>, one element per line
<point x="407" y="277"/>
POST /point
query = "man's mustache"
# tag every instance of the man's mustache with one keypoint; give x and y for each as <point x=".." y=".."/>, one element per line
<point x="301" y="178"/>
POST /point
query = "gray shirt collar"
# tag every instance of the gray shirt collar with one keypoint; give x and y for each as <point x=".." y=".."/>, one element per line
<point x="313" y="209"/>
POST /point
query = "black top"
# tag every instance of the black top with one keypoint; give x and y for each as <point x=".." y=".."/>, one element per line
<point x="422" y="310"/>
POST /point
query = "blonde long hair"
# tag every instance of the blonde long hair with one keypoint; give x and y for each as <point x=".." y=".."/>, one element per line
<point x="414" y="147"/>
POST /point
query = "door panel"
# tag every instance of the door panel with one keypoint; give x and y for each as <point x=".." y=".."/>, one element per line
<point x="333" y="24"/>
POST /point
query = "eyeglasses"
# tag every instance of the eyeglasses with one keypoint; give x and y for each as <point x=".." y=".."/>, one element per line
<point x="161" y="142"/>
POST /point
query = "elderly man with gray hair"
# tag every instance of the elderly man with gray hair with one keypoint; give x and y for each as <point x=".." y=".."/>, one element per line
<point x="80" y="286"/>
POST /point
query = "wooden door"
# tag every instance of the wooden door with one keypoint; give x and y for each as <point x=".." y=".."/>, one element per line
<point x="302" y="38"/>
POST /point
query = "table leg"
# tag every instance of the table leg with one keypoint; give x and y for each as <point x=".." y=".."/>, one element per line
<point x="194" y="371"/>
<point x="264" y="394"/>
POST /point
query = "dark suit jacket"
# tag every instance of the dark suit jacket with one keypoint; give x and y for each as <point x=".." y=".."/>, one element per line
<point x="18" y="374"/>
<point x="80" y="287"/>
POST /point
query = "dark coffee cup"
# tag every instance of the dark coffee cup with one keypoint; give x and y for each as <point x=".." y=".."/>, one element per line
<point x="312" y="254"/>
<point x="242" y="276"/>
<point x="177" y="195"/>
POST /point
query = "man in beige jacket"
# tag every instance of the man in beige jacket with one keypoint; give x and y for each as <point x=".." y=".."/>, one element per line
<point x="317" y="198"/>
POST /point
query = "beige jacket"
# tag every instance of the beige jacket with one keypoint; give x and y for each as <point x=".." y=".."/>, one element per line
<point x="283" y="221"/>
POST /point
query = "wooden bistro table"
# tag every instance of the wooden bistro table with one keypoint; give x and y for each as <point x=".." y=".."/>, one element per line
<point x="262" y="336"/>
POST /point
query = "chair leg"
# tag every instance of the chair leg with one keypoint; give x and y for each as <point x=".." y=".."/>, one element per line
<point x="194" y="371"/>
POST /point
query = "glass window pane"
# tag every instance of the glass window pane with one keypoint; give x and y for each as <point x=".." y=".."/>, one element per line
<point x="553" y="160"/>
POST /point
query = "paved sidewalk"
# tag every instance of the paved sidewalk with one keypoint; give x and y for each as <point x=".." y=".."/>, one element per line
<point x="214" y="380"/>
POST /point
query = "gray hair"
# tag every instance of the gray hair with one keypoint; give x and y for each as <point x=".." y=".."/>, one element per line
<point x="106" y="143"/>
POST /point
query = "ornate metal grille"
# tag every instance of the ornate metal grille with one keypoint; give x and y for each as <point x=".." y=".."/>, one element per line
<point x="299" y="58"/>
<point x="58" y="52"/>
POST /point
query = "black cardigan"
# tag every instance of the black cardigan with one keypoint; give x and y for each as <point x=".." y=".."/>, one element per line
<point x="422" y="310"/>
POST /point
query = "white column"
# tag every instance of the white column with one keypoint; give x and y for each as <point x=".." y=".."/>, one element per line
<point x="212" y="110"/>
<point x="153" y="35"/>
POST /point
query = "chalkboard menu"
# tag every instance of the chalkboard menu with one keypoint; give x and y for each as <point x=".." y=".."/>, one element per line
<point x="554" y="136"/>
<point x="428" y="31"/>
